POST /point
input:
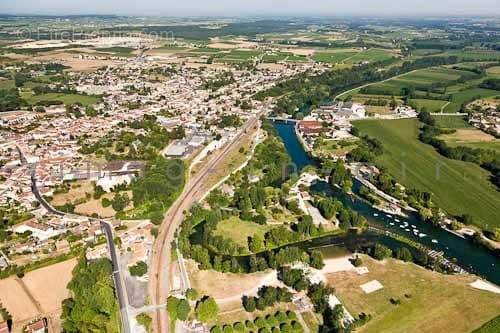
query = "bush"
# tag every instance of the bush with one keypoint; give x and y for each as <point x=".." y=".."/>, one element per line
<point x="239" y="327"/>
<point x="216" y="329"/>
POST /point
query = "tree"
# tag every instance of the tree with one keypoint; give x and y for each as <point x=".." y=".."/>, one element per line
<point x="120" y="201"/>
<point x="93" y="306"/>
<point x="206" y="309"/>
<point x="144" y="320"/>
<point x="381" y="252"/>
<point x="317" y="260"/>
<point x="183" y="309"/>
<point x="256" y="243"/>
<point x="138" y="269"/>
<point x="403" y="254"/>
<point x="172" y="303"/>
<point x="192" y="294"/>
<point x="249" y="303"/>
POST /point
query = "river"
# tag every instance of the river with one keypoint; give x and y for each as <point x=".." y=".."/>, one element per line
<point x="472" y="257"/>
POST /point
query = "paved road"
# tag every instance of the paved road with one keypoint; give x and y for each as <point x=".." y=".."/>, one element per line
<point x="108" y="230"/>
<point x="117" y="277"/>
<point x="161" y="261"/>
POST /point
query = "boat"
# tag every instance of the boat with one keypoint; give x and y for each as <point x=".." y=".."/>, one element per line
<point x="389" y="216"/>
<point x="407" y="230"/>
<point x="434" y="241"/>
<point x="375" y="214"/>
<point x="391" y="223"/>
<point x="421" y="235"/>
<point x="397" y="220"/>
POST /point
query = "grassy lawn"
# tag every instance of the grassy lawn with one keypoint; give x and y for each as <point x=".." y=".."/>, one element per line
<point x="239" y="230"/>
<point x="64" y="98"/>
<point x="493" y="326"/>
<point x="458" y="187"/>
<point x="434" y="302"/>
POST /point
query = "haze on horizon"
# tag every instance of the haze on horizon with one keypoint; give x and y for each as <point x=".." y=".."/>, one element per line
<point x="254" y="7"/>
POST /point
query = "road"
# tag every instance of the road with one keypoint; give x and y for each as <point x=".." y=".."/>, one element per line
<point x="117" y="277"/>
<point x="193" y="191"/>
<point x="108" y="231"/>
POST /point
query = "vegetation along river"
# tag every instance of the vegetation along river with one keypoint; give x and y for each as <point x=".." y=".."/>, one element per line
<point x="471" y="257"/>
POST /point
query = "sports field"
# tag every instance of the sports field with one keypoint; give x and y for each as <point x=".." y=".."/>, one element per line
<point x="458" y="187"/>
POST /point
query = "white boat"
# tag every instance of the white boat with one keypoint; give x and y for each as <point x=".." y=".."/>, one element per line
<point x="413" y="226"/>
<point x="375" y="214"/>
<point x="389" y="216"/>
<point x="421" y="235"/>
<point x="402" y="226"/>
<point x="397" y="220"/>
<point x="434" y="241"/>
<point x="407" y="230"/>
<point x="391" y="223"/>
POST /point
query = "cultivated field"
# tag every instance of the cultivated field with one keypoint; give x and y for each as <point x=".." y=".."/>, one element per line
<point x="430" y="301"/>
<point x="39" y="293"/>
<point x="416" y="164"/>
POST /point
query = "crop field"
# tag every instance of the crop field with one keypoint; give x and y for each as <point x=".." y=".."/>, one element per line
<point x="451" y="122"/>
<point x="476" y="55"/>
<point x="493" y="71"/>
<point x="429" y="105"/>
<point x="121" y="51"/>
<point x="333" y="57"/>
<point x="418" y="165"/>
<point x="371" y="55"/>
<point x="429" y="301"/>
<point x="458" y="98"/>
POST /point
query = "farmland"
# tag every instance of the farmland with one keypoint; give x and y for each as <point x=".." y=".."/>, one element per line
<point x="415" y="164"/>
<point x="429" y="301"/>
<point x="371" y="55"/>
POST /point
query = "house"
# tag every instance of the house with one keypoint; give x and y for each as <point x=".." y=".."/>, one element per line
<point x="176" y="149"/>
<point x="310" y="127"/>
<point x="38" y="326"/>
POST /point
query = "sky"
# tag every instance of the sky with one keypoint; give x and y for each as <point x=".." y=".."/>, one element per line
<point x="254" y="7"/>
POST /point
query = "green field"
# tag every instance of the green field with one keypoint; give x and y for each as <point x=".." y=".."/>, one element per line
<point x="332" y="57"/>
<point x="493" y="326"/>
<point x="458" y="98"/>
<point x="120" y="51"/>
<point x="476" y="55"/>
<point x="371" y="55"/>
<point x="451" y="122"/>
<point x="430" y="105"/>
<point x="239" y="230"/>
<point x="64" y="98"/>
<point x="458" y="187"/>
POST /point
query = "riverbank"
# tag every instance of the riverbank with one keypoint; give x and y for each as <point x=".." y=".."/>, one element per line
<point x="472" y="257"/>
